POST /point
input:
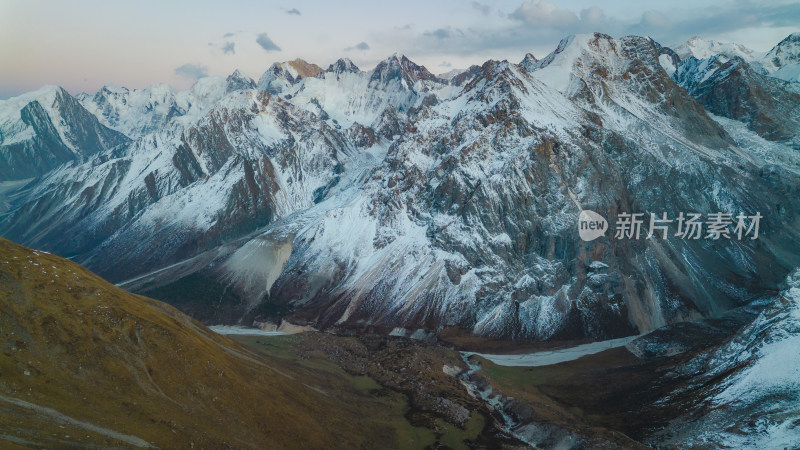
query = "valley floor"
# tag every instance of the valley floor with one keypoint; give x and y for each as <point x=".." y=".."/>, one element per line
<point x="412" y="394"/>
<point x="596" y="395"/>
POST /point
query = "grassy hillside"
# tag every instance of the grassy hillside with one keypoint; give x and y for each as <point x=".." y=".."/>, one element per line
<point x="83" y="362"/>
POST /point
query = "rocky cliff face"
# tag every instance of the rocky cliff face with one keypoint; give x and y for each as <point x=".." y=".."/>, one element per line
<point x="388" y="198"/>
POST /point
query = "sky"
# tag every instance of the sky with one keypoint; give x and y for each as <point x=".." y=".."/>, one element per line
<point x="85" y="44"/>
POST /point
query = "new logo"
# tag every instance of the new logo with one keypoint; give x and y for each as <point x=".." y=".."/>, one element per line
<point x="591" y="225"/>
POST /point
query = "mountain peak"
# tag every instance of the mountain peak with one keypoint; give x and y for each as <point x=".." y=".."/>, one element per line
<point x="398" y="66"/>
<point x="283" y="74"/>
<point x="794" y="37"/>
<point x="450" y="74"/>
<point x="295" y="69"/>
<point x="561" y="61"/>
<point x="785" y="52"/>
<point x="112" y="88"/>
<point x="528" y="62"/>
<point x="783" y="61"/>
<point x="343" y="65"/>
<point x="45" y="94"/>
<point x="466" y="76"/>
<point x="239" y="81"/>
<point x="238" y="74"/>
<point x="304" y="68"/>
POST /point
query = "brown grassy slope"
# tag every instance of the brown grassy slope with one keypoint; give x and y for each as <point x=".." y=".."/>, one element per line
<point x="84" y="362"/>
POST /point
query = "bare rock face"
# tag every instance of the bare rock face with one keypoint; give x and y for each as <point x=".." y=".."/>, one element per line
<point x="392" y="198"/>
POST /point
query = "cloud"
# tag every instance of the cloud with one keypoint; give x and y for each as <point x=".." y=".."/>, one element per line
<point x="654" y="19"/>
<point x="444" y="33"/>
<point x="537" y="26"/>
<point x="360" y="46"/>
<point x="544" y="14"/>
<point x="445" y="64"/>
<point x="593" y="15"/>
<point x="441" y="33"/>
<point x="293" y="11"/>
<point x="484" y="9"/>
<point x="229" y="48"/>
<point x="227" y="35"/>
<point x="266" y="43"/>
<point x="745" y="14"/>
<point x="192" y="71"/>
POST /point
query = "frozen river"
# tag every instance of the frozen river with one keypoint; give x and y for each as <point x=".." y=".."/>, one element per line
<point x="548" y="357"/>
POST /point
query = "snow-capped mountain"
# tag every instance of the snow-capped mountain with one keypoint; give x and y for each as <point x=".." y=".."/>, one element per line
<point x="450" y="74"/>
<point x="783" y="61"/>
<point x="42" y="129"/>
<point x="392" y="197"/>
<point x="139" y="112"/>
<point x="700" y="48"/>
<point x="466" y="76"/>
<point x="460" y="77"/>
<point x="732" y="88"/>
<point x="251" y="159"/>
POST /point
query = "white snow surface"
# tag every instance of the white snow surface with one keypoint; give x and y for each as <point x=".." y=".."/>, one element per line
<point x="789" y="72"/>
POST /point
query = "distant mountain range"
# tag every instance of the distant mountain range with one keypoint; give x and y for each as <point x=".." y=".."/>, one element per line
<point x="394" y="198"/>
